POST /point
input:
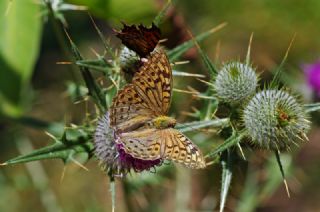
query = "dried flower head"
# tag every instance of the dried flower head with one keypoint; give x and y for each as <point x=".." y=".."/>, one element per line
<point x="108" y="149"/>
<point x="275" y="120"/>
<point x="235" y="82"/>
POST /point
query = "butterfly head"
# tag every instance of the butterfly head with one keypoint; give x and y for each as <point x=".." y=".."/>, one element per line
<point x="163" y="122"/>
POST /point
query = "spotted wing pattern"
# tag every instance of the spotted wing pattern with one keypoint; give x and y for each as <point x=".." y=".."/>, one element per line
<point x="128" y="111"/>
<point x="138" y="103"/>
<point x="153" y="82"/>
<point x="147" y="97"/>
<point x="140" y="39"/>
<point x="170" y="144"/>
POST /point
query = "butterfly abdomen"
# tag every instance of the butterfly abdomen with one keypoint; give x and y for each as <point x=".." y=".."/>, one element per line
<point x="163" y="122"/>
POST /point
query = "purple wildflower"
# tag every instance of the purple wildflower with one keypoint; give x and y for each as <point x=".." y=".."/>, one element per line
<point x="137" y="164"/>
<point x="312" y="73"/>
<point x="111" y="153"/>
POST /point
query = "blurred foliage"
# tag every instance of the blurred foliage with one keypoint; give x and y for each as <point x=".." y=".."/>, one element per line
<point x="115" y="10"/>
<point x="20" y="36"/>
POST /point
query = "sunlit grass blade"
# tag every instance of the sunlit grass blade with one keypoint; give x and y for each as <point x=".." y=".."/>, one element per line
<point x="205" y="59"/>
<point x="105" y="44"/>
<point x="276" y="78"/>
<point x="186" y="74"/>
<point x="312" y="107"/>
<point x="218" y="123"/>
<point x="94" y="89"/>
<point x="226" y="163"/>
<point x="249" y="50"/>
<point x="249" y="198"/>
<point x="177" y="52"/>
<point x="160" y="17"/>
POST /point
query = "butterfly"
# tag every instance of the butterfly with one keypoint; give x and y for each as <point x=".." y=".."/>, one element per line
<point x="139" y="116"/>
<point x="139" y="38"/>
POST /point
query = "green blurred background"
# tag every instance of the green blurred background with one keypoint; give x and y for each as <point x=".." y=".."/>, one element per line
<point x="32" y="84"/>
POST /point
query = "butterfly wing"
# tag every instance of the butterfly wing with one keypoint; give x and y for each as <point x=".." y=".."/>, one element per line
<point x="128" y="111"/>
<point x="170" y="144"/>
<point x="178" y="148"/>
<point x="147" y="97"/>
<point x="153" y="82"/>
<point x="140" y="39"/>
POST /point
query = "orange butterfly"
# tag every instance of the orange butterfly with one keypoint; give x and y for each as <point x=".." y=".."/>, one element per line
<point x="139" y="116"/>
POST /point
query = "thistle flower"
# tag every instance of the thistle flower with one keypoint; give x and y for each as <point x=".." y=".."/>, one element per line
<point x="312" y="73"/>
<point x="275" y="120"/>
<point x="108" y="149"/>
<point x="235" y="82"/>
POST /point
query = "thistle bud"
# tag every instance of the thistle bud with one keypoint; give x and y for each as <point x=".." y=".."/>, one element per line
<point x="129" y="63"/>
<point x="275" y="120"/>
<point x="235" y="82"/>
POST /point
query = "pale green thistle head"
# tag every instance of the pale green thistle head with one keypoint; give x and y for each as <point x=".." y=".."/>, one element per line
<point x="235" y="82"/>
<point x="275" y="120"/>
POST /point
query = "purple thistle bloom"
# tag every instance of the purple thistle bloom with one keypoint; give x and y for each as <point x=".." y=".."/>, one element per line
<point x="111" y="153"/>
<point x="312" y="73"/>
<point x="138" y="165"/>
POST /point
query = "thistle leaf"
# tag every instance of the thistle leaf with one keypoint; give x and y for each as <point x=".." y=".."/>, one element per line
<point x="99" y="65"/>
<point x="73" y="142"/>
<point x="186" y="74"/>
<point x="205" y="59"/>
<point x="95" y="90"/>
<point x="312" y="107"/>
<point x="177" y="52"/>
<point x="54" y="151"/>
<point x="231" y="141"/>
<point x="277" y="153"/>
<point x="274" y="177"/>
<point x="191" y="126"/>
<point x="159" y="18"/>
<point x="105" y="44"/>
<point x="276" y="78"/>
<point x="226" y="163"/>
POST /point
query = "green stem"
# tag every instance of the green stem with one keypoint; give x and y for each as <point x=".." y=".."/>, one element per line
<point x="57" y="28"/>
